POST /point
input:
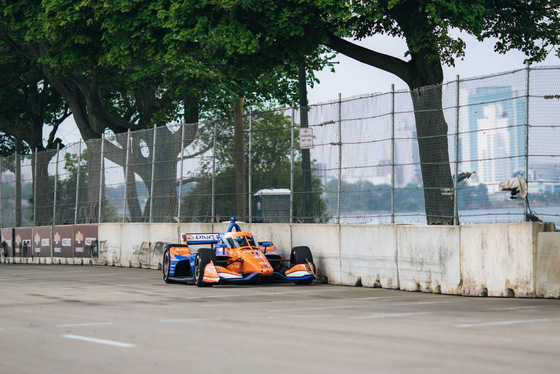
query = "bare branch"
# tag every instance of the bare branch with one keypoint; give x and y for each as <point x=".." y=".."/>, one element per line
<point x="381" y="61"/>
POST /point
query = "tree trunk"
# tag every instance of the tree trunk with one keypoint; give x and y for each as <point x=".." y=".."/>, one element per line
<point x="426" y="91"/>
<point x="43" y="189"/>
<point x="434" y="156"/>
<point x="96" y="181"/>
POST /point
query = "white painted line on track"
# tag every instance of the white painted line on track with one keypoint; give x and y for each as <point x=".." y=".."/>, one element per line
<point x="99" y="341"/>
<point x="189" y="320"/>
<point x="315" y="308"/>
<point x="115" y="293"/>
<point x="86" y="324"/>
<point x="249" y="303"/>
<point x="310" y="316"/>
<point x="504" y="323"/>
<point x="392" y="315"/>
<point x="101" y="286"/>
<point x="512" y="308"/>
<point x="428" y="302"/>
<point x="241" y="303"/>
<point x="240" y="295"/>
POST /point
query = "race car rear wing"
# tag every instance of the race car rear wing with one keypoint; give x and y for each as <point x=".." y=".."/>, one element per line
<point x="193" y="239"/>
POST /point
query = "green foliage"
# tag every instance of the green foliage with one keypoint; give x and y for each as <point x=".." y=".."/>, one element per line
<point x="530" y="26"/>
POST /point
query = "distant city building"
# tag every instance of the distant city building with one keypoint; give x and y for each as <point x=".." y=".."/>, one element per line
<point x="407" y="156"/>
<point x="494" y="143"/>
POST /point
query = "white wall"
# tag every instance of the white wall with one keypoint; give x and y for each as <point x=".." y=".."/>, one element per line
<point x="498" y="260"/>
<point x="429" y="258"/>
<point x="548" y="264"/>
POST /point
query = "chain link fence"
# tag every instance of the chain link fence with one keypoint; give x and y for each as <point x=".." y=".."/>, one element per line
<point x="364" y="160"/>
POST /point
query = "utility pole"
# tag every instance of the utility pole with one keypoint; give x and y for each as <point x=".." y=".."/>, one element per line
<point x="239" y="161"/>
<point x="305" y="157"/>
<point x="18" y="183"/>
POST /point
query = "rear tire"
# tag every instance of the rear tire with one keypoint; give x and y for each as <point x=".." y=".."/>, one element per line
<point x="302" y="255"/>
<point x="166" y="266"/>
<point x="203" y="258"/>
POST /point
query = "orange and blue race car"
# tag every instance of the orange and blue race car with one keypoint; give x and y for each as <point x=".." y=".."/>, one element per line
<point x="234" y="256"/>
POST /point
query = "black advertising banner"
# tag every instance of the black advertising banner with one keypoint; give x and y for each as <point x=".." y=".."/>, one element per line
<point x="85" y="236"/>
<point x="42" y="241"/>
<point x="23" y="240"/>
<point x="63" y="241"/>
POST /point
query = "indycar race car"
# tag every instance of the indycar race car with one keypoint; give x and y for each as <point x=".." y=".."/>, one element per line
<point x="233" y="256"/>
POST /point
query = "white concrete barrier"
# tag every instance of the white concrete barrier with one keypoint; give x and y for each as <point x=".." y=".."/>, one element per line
<point x="110" y="244"/>
<point x="548" y="264"/>
<point x="429" y="258"/>
<point x="324" y="242"/>
<point x="494" y="260"/>
<point x="498" y="260"/>
<point x="368" y="255"/>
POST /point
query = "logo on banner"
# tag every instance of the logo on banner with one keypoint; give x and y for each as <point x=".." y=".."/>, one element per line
<point x="79" y="237"/>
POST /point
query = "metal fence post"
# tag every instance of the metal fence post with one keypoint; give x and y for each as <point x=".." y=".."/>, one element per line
<point x="214" y="171"/>
<point x="393" y="153"/>
<point x="126" y="174"/>
<point x="528" y="79"/>
<point x="2" y="210"/>
<point x="77" y="183"/>
<point x="34" y="192"/>
<point x="153" y="173"/>
<point x="17" y="184"/>
<point x="339" y="185"/>
<point x="456" y="179"/>
<point x="55" y="183"/>
<point x="180" y="193"/>
<point x="249" y="166"/>
<point x="101" y="179"/>
<point x="292" y="165"/>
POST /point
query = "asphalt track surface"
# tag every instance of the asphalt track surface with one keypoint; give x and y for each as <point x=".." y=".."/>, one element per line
<point x="85" y="319"/>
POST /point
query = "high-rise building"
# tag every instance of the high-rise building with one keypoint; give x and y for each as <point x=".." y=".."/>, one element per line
<point x="494" y="143"/>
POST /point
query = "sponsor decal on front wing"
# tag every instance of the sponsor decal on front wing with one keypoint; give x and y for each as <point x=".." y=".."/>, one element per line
<point x="299" y="270"/>
<point x="210" y="274"/>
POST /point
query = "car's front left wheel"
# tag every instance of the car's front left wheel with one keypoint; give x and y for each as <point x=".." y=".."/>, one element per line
<point x="203" y="257"/>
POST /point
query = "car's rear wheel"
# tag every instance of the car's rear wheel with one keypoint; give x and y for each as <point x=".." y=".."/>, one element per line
<point x="166" y="266"/>
<point x="302" y="255"/>
<point x="203" y="258"/>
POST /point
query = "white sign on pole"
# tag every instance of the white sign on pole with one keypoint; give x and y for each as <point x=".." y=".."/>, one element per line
<point x="306" y="138"/>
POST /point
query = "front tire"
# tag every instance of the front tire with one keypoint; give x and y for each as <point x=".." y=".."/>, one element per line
<point x="302" y="255"/>
<point x="203" y="258"/>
